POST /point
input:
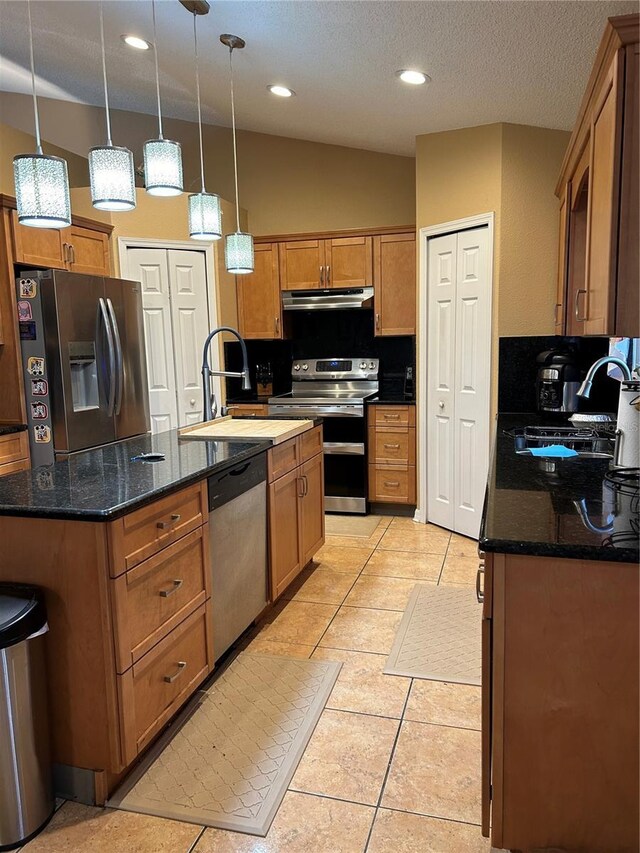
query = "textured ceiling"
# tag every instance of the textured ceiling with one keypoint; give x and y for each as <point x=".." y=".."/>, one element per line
<point x="525" y="62"/>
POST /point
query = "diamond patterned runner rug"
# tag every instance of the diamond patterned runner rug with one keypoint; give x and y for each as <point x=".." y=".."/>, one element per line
<point x="439" y="636"/>
<point x="229" y="758"/>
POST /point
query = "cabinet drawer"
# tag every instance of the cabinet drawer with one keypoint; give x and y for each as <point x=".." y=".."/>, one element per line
<point x="393" y="415"/>
<point x="310" y="443"/>
<point x="146" y="531"/>
<point x="155" y="687"/>
<point x="14" y="447"/>
<point x="392" y="484"/>
<point x="395" y="446"/>
<point x="150" y="600"/>
<point x="283" y="458"/>
<point x="243" y="410"/>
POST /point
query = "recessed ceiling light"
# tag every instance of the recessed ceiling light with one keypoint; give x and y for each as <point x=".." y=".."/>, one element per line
<point x="416" y="78"/>
<point x="135" y="41"/>
<point x="281" y="91"/>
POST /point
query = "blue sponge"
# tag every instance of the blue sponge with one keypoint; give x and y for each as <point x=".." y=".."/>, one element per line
<point x="553" y="450"/>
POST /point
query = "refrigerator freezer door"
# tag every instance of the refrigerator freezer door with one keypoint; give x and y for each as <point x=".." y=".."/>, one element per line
<point x="80" y="360"/>
<point x="124" y="302"/>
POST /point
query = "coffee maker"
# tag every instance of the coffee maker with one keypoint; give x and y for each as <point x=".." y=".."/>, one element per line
<point x="557" y="381"/>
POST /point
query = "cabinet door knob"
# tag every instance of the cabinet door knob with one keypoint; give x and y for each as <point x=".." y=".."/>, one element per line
<point x="441" y="404"/>
<point x="377" y="321"/>
<point x="321" y="276"/>
<point x="328" y="276"/>
<point x="277" y="323"/>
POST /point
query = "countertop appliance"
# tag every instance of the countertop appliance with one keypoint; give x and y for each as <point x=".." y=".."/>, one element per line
<point x="83" y="358"/>
<point x="238" y="548"/>
<point x="336" y="389"/>
<point x="557" y="381"/>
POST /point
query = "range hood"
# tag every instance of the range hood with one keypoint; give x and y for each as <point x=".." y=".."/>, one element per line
<point x="325" y="300"/>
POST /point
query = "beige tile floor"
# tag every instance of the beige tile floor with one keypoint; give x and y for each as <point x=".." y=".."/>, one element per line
<point x="393" y="765"/>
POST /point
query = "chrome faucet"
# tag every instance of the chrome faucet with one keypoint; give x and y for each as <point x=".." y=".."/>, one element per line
<point x="585" y="388"/>
<point x="210" y="405"/>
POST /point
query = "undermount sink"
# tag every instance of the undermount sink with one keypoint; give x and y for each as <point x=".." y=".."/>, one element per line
<point x="590" y="443"/>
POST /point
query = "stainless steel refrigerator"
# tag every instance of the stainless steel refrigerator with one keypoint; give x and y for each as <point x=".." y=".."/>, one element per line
<point x="84" y="361"/>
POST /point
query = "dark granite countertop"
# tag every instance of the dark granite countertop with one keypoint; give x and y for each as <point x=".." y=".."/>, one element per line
<point x="567" y="512"/>
<point x="9" y="429"/>
<point x="103" y="484"/>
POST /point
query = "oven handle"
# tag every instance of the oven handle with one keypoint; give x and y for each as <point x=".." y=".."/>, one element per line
<point x="318" y="411"/>
<point x="350" y="448"/>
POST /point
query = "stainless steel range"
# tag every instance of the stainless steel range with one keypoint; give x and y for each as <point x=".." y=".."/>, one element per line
<point x="336" y="389"/>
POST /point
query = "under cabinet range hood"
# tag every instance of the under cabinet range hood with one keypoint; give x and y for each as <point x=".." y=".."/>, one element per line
<point x="325" y="300"/>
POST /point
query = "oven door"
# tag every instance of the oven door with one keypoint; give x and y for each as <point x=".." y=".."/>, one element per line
<point x="345" y="465"/>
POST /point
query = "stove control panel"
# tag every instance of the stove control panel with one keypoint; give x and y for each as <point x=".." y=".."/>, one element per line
<point x="336" y="368"/>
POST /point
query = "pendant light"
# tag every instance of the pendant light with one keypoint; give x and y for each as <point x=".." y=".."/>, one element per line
<point x="205" y="215"/>
<point x="111" y="169"/>
<point x="162" y="157"/>
<point x="41" y="181"/>
<point x="238" y="250"/>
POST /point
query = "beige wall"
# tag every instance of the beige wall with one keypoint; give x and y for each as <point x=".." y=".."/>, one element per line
<point x="510" y="170"/>
<point x="13" y="141"/>
<point x="531" y="159"/>
<point x="286" y="185"/>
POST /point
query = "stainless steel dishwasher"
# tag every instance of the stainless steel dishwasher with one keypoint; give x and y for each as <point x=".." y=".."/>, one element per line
<point x="238" y="548"/>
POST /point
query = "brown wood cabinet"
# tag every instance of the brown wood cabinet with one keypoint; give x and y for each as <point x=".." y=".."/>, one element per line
<point x="128" y="602"/>
<point x="79" y="248"/>
<point x="598" y="258"/>
<point x="394" y="279"/>
<point x="244" y="410"/>
<point x="258" y="294"/>
<point x="296" y="506"/>
<point x="391" y="451"/>
<point x="336" y="262"/>
<point x="14" y="452"/>
<point x="560" y="704"/>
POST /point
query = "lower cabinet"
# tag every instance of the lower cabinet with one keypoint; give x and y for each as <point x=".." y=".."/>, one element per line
<point x="296" y="507"/>
<point x="14" y="452"/>
<point x="392" y="454"/>
<point x="560" y="704"/>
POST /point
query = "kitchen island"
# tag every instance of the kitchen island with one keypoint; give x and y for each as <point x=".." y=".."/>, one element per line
<point x="560" y="629"/>
<point x="121" y="547"/>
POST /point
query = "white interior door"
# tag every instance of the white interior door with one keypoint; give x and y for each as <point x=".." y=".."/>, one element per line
<point x="190" y="324"/>
<point x="150" y="267"/>
<point x="441" y="379"/>
<point x="458" y="378"/>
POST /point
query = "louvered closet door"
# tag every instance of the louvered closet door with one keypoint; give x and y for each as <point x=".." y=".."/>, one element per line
<point x="150" y="267"/>
<point x="458" y="378"/>
<point x="190" y="324"/>
<point x="441" y="379"/>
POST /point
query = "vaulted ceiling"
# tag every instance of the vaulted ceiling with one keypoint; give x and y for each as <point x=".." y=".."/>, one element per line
<point x="526" y="62"/>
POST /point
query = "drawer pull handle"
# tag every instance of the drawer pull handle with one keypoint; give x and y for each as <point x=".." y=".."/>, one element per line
<point x="169" y="679"/>
<point x="165" y="593"/>
<point x="391" y="483"/>
<point x="390" y="417"/>
<point x="479" y="586"/>
<point x="393" y="446"/>
<point x="165" y="525"/>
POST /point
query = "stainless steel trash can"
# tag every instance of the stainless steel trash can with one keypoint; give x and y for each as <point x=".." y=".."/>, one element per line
<point x="26" y="792"/>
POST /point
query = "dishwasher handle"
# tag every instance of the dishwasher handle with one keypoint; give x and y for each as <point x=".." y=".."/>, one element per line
<point x="235" y="480"/>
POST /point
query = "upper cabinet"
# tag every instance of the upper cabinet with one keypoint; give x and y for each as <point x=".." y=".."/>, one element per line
<point x="348" y="262"/>
<point x="302" y="265"/>
<point x="259" y="308"/>
<point x="386" y="261"/>
<point x="338" y="262"/>
<point x="79" y="248"/>
<point x="598" y="254"/>
<point x="394" y="278"/>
